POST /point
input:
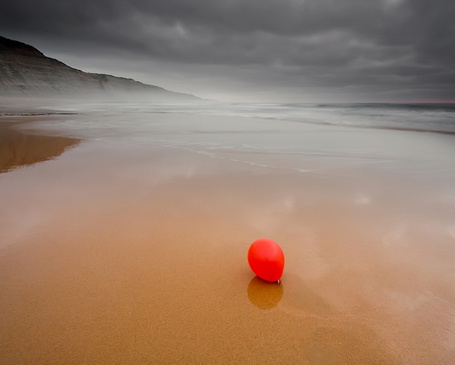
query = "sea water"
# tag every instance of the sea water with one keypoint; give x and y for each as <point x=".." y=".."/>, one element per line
<point x="402" y="138"/>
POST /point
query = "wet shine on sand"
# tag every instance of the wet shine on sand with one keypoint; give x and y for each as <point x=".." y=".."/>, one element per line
<point x="138" y="255"/>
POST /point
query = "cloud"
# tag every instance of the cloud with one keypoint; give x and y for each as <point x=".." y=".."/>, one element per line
<point x="363" y="45"/>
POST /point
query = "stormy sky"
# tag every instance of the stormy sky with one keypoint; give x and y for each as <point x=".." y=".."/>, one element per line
<point x="253" y="50"/>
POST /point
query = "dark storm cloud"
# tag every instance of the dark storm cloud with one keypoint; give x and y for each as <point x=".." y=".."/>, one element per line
<point x="367" y="45"/>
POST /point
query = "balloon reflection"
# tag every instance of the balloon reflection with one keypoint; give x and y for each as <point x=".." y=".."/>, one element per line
<point x="263" y="294"/>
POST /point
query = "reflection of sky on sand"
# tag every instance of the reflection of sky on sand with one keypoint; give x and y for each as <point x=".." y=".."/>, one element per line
<point x="451" y="230"/>
<point x="301" y="300"/>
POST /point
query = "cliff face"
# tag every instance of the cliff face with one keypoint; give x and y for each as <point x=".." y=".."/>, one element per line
<point x="25" y="71"/>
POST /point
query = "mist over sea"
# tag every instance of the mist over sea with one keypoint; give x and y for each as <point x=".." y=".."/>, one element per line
<point x="415" y="117"/>
<point x="401" y="138"/>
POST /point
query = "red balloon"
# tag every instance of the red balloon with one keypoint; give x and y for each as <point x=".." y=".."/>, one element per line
<point x="266" y="259"/>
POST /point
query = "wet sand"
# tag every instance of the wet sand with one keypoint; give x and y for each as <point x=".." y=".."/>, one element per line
<point x="138" y="255"/>
<point x="19" y="149"/>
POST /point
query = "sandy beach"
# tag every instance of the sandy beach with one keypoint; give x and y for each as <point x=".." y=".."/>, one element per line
<point x="136" y="254"/>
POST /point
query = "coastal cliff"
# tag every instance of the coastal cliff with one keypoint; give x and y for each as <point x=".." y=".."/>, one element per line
<point x="25" y="71"/>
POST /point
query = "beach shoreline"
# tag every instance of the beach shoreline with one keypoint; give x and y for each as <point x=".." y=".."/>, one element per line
<point x="120" y="254"/>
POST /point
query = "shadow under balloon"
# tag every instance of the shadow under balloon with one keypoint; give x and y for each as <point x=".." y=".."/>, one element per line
<point x="263" y="294"/>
